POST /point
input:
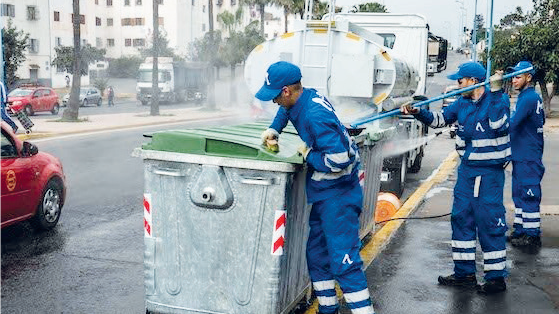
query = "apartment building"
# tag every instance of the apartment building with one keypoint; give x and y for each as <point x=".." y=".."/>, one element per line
<point x="121" y="27"/>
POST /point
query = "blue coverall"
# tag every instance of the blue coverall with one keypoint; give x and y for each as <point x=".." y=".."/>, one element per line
<point x="526" y="132"/>
<point x="332" y="186"/>
<point x="3" y="102"/>
<point x="483" y="143"/>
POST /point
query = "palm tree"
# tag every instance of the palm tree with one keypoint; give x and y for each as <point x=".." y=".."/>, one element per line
<point x="373" y="7"/>
<point x="71" y="112"/>
<point x="261" y="4"/>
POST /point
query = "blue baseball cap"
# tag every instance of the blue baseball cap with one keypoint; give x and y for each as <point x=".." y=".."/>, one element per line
<point x="469" y="69"/>
<point x="279" y="74"/>
<point x="523" y="65"/>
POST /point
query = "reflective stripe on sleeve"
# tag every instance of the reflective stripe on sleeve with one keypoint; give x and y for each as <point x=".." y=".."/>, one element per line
<point x="320" y="176"/>
<point x="477" y="183"/>
<point x="491" y="142"/>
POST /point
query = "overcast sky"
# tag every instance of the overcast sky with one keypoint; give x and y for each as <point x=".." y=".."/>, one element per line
<point x="444" y="16"/>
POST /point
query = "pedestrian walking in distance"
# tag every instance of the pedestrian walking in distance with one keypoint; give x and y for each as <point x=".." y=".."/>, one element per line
<point x="110" y="96"/>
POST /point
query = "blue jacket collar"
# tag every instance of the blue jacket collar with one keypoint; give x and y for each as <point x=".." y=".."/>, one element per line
<point x="527" y="89"/>
<point x="299" y="104"/>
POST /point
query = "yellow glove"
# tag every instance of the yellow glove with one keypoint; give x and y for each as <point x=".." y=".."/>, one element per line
<point x="496" y="81"/>
<point x="304" y="150"/>
<point x="269" y="134"/>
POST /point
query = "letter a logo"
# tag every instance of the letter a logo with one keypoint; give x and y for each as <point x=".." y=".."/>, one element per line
<point x="500" y="223"/>
<point x="479" y="127"/>
<point x="347" y="260"/>
<point x="530" y="192"/>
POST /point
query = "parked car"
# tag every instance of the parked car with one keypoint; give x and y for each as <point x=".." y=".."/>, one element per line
<point x="447" y="102"/>
<point x="33" y="183"/>
<point x="34" y="99"/>
<point x="88" y="95"/>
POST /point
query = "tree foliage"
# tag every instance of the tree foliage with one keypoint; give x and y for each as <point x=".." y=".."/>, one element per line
<point x="14" y="42"/>
<point x="532" y="37"/>
<point x="64" y="58"/>
<point x="124" y="67"/>
<point x="206" y="49"/>
<point x="162" y="46"/>
<point x="373" y="7"/>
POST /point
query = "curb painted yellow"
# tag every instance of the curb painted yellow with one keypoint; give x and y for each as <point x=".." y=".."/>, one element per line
<point x="381" y="239"/>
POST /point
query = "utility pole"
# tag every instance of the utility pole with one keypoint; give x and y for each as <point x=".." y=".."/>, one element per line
<point x="474" y="35"/>
<point x="154" y="109"/>
<point x="490" y="36"/>
<point x="2" y="72"/>
<point x="211" y="71"/>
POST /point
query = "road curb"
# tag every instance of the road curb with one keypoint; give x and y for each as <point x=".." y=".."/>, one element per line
<point x="32" y="136"/>
<point x="382" y="238"/>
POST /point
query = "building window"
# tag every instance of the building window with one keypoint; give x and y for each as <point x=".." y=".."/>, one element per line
<point x="160" y="2"/>
<point x="84" y="42"/>
<point x="203" y="27"/>
<point x="139" y="42"/>
<point x="233" y="2"/>
<point x="8" y="10"/>
<point x="109" y="22"/>
<point x="98" y="42"/>
<point x="138" y="2"/>
<point x="128" y="42"/>
<point x="97" y="21"/>
<point x="109" y="3"/>
<point x="161" y="22"/>
<point x="96" y="1"/>
<point x="33" y="45"/>
<point x="82" y="18"/>
<point x="56" y="16"/>
<point x="126" y="2"/>
<point x="219" y="2"/>
<point x="110" y="42"/>
<point x="58" y="41"/>
<point x="126" y="22"/>
<point x="204" y="8"/>
<point x="193" y="2"/>
<point x="139" y="21"/>
<point x="32" y="13"/>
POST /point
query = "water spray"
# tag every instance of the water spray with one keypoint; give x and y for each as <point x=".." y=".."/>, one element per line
<point x="396" y="111"/>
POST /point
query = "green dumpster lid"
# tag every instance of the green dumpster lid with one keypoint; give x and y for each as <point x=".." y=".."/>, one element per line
<point x="238" y="141"/>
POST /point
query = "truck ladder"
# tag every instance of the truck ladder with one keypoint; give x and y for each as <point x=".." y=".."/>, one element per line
<point x="325" y="49"/>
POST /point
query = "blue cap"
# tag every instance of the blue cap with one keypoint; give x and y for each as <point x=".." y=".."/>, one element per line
<point x="279" y="74"/>
<point x="469" y="69"/>
<point x="523" y="65"/>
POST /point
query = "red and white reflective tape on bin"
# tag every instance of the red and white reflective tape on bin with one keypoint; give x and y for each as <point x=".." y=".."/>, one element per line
<point x="147" y="216"/>
<point x="278" y="239"/>
<point x="361" y="174"/>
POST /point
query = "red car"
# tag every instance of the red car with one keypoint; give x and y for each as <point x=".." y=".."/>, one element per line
<point x="34" y="99"/>
<point x="33" y="183"/>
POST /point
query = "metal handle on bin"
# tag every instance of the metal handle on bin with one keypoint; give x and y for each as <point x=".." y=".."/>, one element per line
<point x="169" y="172"/>
<point x="257" y="180"/>
<point x="208" y="194"/>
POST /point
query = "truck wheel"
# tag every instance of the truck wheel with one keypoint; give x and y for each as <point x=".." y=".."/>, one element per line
<point x="397" y="180"/>
<point x="48" y="211"/>
<point x="416" y="166"/>
<point x="99" y="102"/>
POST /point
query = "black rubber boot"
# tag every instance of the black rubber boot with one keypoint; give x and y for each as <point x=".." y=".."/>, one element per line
<point x="528" y="242"/>
<point x="452" y="280"/>
<point x="492" y="286"/>
<point x="513" y="236"/>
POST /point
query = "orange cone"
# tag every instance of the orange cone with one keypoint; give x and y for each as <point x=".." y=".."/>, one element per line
<point x="387" y="205"/>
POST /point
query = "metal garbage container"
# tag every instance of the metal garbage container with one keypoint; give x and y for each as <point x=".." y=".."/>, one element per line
<point x="226" y="221"/>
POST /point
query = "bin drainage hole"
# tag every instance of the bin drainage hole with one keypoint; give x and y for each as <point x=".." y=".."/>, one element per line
<point x="208" y="194"/>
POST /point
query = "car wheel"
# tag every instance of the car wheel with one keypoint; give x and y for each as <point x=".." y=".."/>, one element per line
<point x="55" y="109"/>
<point x="84" y="103"/>
<point x="99" y="102"/>
<point x="29" y="110"/>
<point x="48" y="211"/>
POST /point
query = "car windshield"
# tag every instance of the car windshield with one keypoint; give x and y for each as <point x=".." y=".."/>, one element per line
<point x="20" y="92"/>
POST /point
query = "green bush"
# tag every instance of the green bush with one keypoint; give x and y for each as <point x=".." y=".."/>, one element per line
<point x="125" y="67"/>
<point x="101" y="84"/>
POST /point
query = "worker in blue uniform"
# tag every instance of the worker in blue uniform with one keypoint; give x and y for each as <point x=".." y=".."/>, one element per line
<point x="526" y="133"/>
<point x="483" y="143"/>
<point x="3" y="103"/>
<point x="332" y="186"/>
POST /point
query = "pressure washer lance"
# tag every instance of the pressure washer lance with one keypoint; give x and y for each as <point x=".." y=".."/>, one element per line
<point x="396" y="111"/>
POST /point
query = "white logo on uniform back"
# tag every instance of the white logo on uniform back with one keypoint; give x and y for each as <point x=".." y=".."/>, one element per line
<point x="500" y="223"/>
<point x="530" y="192"/>
<point x="347" y="260"/>
<point x="324" y="103"/>
<point x="267" y="79"/>
<point x="539" y="107"/>
<point x="479" y="127"/>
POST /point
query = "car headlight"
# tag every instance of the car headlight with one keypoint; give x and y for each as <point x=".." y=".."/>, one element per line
<point x="17" y="103"/>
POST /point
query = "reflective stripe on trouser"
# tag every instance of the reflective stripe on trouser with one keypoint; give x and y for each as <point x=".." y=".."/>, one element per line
<point x="478" y="205"/>
<point x="333" y="252"/>
<point x="527" y="195"/>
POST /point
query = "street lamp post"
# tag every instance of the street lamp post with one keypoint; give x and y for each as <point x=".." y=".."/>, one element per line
<point x="490" y="37"/>
<point x="474" y="35"/>
<point x="462" y="22"/>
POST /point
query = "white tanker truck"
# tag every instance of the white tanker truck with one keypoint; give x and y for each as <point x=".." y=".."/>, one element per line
<point x="365" y="63"/>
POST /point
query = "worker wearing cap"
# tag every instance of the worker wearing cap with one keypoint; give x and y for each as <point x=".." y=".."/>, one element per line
<point x="526" y="133"/>
<point x="332" y="186"/>
<point x="482" y="141"/>
<point x="3" y="102"/>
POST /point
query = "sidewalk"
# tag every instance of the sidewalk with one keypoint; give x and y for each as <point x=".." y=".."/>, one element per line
<point x="52" y="127"/>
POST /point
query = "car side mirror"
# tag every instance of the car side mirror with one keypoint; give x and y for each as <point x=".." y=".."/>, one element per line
<point x="29" y="149"/>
